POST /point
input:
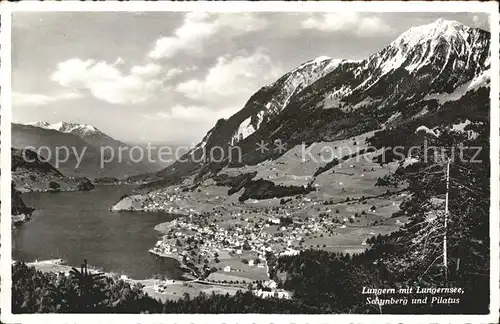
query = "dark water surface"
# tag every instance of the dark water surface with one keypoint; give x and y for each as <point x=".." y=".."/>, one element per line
<point x="77" y="225"/>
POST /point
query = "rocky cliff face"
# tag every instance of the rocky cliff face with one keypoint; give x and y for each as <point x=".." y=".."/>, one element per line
<point x="278" y="94"/>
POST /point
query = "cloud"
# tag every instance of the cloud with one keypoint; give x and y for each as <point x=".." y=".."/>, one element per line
<point x="339" y="22"/>
<point x="36" y="99"/>
<point x="158" y="115"/>
<point x="182" y="123"/>
<point x="118" y="61"/>
<point x="198" y="27"/>
<point x="149" y="70"/>
<point x="197" y="113"/>
<point x="481" y="21"/>
<point x="234" y="78"/>
<point x="107" y="82"/>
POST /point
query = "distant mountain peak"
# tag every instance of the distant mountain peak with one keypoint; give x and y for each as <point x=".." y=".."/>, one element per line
<point x="440" y="29"/>
<point x="432" y="46"/>
<point x="41" y="124"/>
<point x="81" y="130"/>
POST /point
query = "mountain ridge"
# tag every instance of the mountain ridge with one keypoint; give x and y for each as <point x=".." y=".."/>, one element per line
<point x="66" y="127"/>
<point x="94" y="147"/>
<point x="30" y="172"/>
<point x="374" y="89"/>
<point x="88" y="133"/>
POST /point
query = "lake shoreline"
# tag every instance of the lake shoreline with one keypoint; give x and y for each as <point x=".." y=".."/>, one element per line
<point x="173" y="289"/>
<point x="58" y="266"/>
<point x="115" y="241"/>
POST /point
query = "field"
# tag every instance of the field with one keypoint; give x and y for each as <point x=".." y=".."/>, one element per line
<point x="177" y="290"/>
<point x="297" y="166"/>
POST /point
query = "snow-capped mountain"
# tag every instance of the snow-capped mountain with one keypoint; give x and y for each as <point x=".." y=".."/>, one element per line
<point x="296" y="80"/>
<point x="34" y="137"/>
<point x="88" y="133"/>
<point x="41" y="124"/>
<point x="424" y="72"/>
<point x="267" y="103"/>
<point x="90" y="143"/>
<point x="418" y="46"/>
<point x="443" y="48"/>
<point x="431" y="59"/>
<point x="81" y="130"/>
<point x="280" y="93"/>
<point x="80" y="138"/>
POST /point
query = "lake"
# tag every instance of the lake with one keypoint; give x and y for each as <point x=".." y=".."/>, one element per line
<point x="79" y="225"/>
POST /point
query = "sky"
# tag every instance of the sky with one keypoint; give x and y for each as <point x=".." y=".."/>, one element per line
<point x="167" y="77"/>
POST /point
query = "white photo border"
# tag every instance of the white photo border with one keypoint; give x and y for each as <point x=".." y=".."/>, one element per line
<point x="6" y="10"/>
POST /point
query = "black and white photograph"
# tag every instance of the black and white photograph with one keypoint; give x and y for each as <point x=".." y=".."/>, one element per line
<point x="267" y="160"/>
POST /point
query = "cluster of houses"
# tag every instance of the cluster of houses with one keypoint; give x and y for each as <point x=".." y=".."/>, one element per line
<point x="161" y="248"/>
<point x="248" y="235"/>
<point x="214" y="239"/>
<point x="168" y="202"/>
<point x="236" y="239"/>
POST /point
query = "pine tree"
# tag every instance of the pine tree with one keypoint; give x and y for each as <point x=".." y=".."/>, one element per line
<point x="89" y="287"/>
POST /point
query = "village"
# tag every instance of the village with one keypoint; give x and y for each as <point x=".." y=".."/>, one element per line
<point x="231" y="245"/>
<point x="226" y="242"/>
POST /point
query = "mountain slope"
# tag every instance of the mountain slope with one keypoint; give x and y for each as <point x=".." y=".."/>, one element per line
<point x="272" y="99"/>
<point x="34" y="138"/>
<point x="356" y="174"/>
<point x="411" y="78"/>
<point x="31" y="173"/>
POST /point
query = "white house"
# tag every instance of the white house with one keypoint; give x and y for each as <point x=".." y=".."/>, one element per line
<point x="276" y="294"/>
<point x="290" y="252"/>
<point x="270" y="284"/>
<point x="263" y="294"/>
<point x="227" y="269"/>
<point x="282" y="294"/>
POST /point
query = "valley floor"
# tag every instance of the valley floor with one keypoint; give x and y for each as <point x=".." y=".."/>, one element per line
<point x="225" y="241"/>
